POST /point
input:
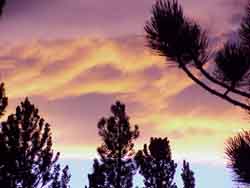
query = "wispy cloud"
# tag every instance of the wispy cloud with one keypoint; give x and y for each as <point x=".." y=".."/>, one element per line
<point x="75" y="67"/>
<point x="75" y="81"/>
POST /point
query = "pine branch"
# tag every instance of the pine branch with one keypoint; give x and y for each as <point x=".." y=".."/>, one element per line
<point x="170" y="34"/>
<point x="208" y="76"/>
<point x="212" y="91"/>
<point x="227" y="87"/>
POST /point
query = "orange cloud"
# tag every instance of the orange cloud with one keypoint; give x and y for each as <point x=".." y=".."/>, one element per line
<point x="125" y="70"/>
<point x="66" y="68"/>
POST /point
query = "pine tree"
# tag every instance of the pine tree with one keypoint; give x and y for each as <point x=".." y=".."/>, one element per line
<point x="238" y="153"/>
<point x="2" y="4"/>
<point x="156" y="164"/>
<point x="27" y="159"/>
<point x="116" y="167"/>
<point x="187" y="176"/>
<point x="3" y="99"/>
<point x="158" y="168"/>
<point x="185" y="44"/>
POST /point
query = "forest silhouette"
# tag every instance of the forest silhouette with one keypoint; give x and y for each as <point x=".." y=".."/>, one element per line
<point x="27" y="158"/>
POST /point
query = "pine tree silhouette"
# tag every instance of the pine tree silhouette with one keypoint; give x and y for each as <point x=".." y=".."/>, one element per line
<point x="156" y="164"/>
<point x="2" y="4"/>
<point x="3" y="99"/>
<point x="26" y="156"/>
<point x="116" y="167"/>
<point x="238" y="153"/>
<point x="187" y="176"/>
<point x="158" y="168"/>
<point x="185" y="44"/>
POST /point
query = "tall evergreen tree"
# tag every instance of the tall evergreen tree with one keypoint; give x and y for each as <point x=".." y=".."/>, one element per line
<point x="116" y="167"/>
<point x="156" y="164"/>
<point x="187" y="176"/>
<point x="158" y="168"/>
<point x="26" y="156"/>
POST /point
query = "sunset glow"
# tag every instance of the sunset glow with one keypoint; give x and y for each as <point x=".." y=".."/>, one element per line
<point x="73" y="59"/>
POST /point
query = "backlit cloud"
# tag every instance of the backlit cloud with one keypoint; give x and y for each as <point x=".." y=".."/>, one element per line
<point x="75" y="81"/>
<point x="71" y="68"/>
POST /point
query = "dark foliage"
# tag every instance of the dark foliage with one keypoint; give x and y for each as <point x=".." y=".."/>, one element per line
<point x="233" y="66"/>
<point x="61" y="179"/>
<point x="187" y="176"/>
<point x="156" y="164"/>
<point x="116" y="167"/>
<point x="117" y="134"/>
<point x="238" y="153"/>
<point x="105" y="174"/>
<point x="184" y="43"/>
<point x="170" y="34"/>
<point x="27" y="159"/>
<point x="2" y="4"/>
<point x="3" y="99"/>
<point x="173" y="36"/>
<point x="98" y="177"/>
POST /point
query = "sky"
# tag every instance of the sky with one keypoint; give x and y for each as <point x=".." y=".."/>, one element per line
<point x="75" y="58"/>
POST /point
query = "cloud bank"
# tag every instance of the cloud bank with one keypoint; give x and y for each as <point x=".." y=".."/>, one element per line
<point x="75" y="81"/>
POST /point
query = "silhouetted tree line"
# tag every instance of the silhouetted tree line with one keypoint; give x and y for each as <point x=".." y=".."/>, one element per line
<point x="27" y="159"/>
<point x="119" y="162"/>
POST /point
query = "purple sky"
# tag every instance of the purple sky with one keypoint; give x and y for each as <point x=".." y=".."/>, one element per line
<point x="74" y="58"/>
<point x="31" y="19"/>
